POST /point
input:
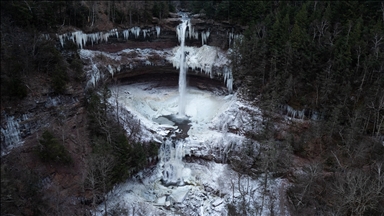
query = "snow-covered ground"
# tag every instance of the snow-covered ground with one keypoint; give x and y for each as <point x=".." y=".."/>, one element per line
<point x="218" y="123"/>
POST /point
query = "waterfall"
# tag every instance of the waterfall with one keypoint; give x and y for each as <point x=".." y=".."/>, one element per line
<point x="181" y="29"/>
<point x="172" y="170"/>
<point x="171" y="156"/>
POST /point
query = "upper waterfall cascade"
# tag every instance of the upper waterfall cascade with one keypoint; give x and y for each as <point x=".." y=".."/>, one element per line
<point x="204" y="58"/>
<point x="181" y="29"/>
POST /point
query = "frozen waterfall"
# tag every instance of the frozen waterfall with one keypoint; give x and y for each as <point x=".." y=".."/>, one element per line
<point x="10" y="133"/>
<point x="171" y="161"/>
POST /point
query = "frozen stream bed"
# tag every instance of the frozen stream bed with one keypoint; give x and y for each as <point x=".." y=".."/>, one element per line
<point x="206" y="185"/>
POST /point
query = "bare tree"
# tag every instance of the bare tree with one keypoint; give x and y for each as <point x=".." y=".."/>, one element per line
<point x="336" y="31"/>
<point x="244" y="192"/>
<point x="377" y="41"/>
<point x="97" y="181"/>
<point x="322" y="27"/>
<point x="356" y="191"/>
<point x="302" y="194"/>
<point x="94" y="7"/>
<point x="130" y="8"/>
<point x="131" y="124"/>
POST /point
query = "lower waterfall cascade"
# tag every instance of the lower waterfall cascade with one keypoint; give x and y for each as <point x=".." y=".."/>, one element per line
<point x="175" y="186"/>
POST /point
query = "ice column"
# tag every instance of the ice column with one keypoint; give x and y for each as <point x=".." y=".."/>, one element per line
<point x="157" y="31"/>
<point x="228" y="79"/>
<point x="204" y="37"/>
<point x="135" y="31"/>
<point x="126" y="34"/>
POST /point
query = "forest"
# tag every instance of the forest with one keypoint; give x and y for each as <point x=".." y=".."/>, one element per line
<point x="322" y="58"/>
<point x="321" y="61"/>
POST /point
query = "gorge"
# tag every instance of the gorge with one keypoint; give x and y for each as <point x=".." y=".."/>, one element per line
<point x="192" y="108"/>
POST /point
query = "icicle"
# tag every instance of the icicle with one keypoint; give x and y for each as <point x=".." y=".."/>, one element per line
<point x="79" y="38"/>
<point x="61" y="40"/>
<point x="71" y="37"/>
<point x="228" y="78"/>
<point x="178" y="34"/>
<point x="196" y="35"/>
<point x="230" y="38"/>
<point x="74" y="39"/>
<point x="126" y="34"/>
<point x="110" y="69"/>
<point x="290" y="111"/>
<point x="157" y="31"/>
<point x="230" y="84"/>
<point x="95" y="75"/>
<point x="237" y="37"/>
<point x="115" y="31"/>
<point x="315" y="116"/>
<point x="135" y="31"/>
<point x="145" y="33"/>
<point x="84" y="38"/>
<point x="203" y="38"/>
<point x="301" y="114"/>
<point x="190" y="29"/>
<point x="294" y="113"/>
<point x="94" y="37"/>
<point x="105" y="36"/>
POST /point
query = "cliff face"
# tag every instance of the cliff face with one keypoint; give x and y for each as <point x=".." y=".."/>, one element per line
<point x="121" y="53"/>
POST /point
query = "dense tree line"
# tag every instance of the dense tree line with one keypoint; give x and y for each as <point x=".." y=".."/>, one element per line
<point x="50" y="15"/>
<point x="320" y="56"/>
<point x="327" y="58"/>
